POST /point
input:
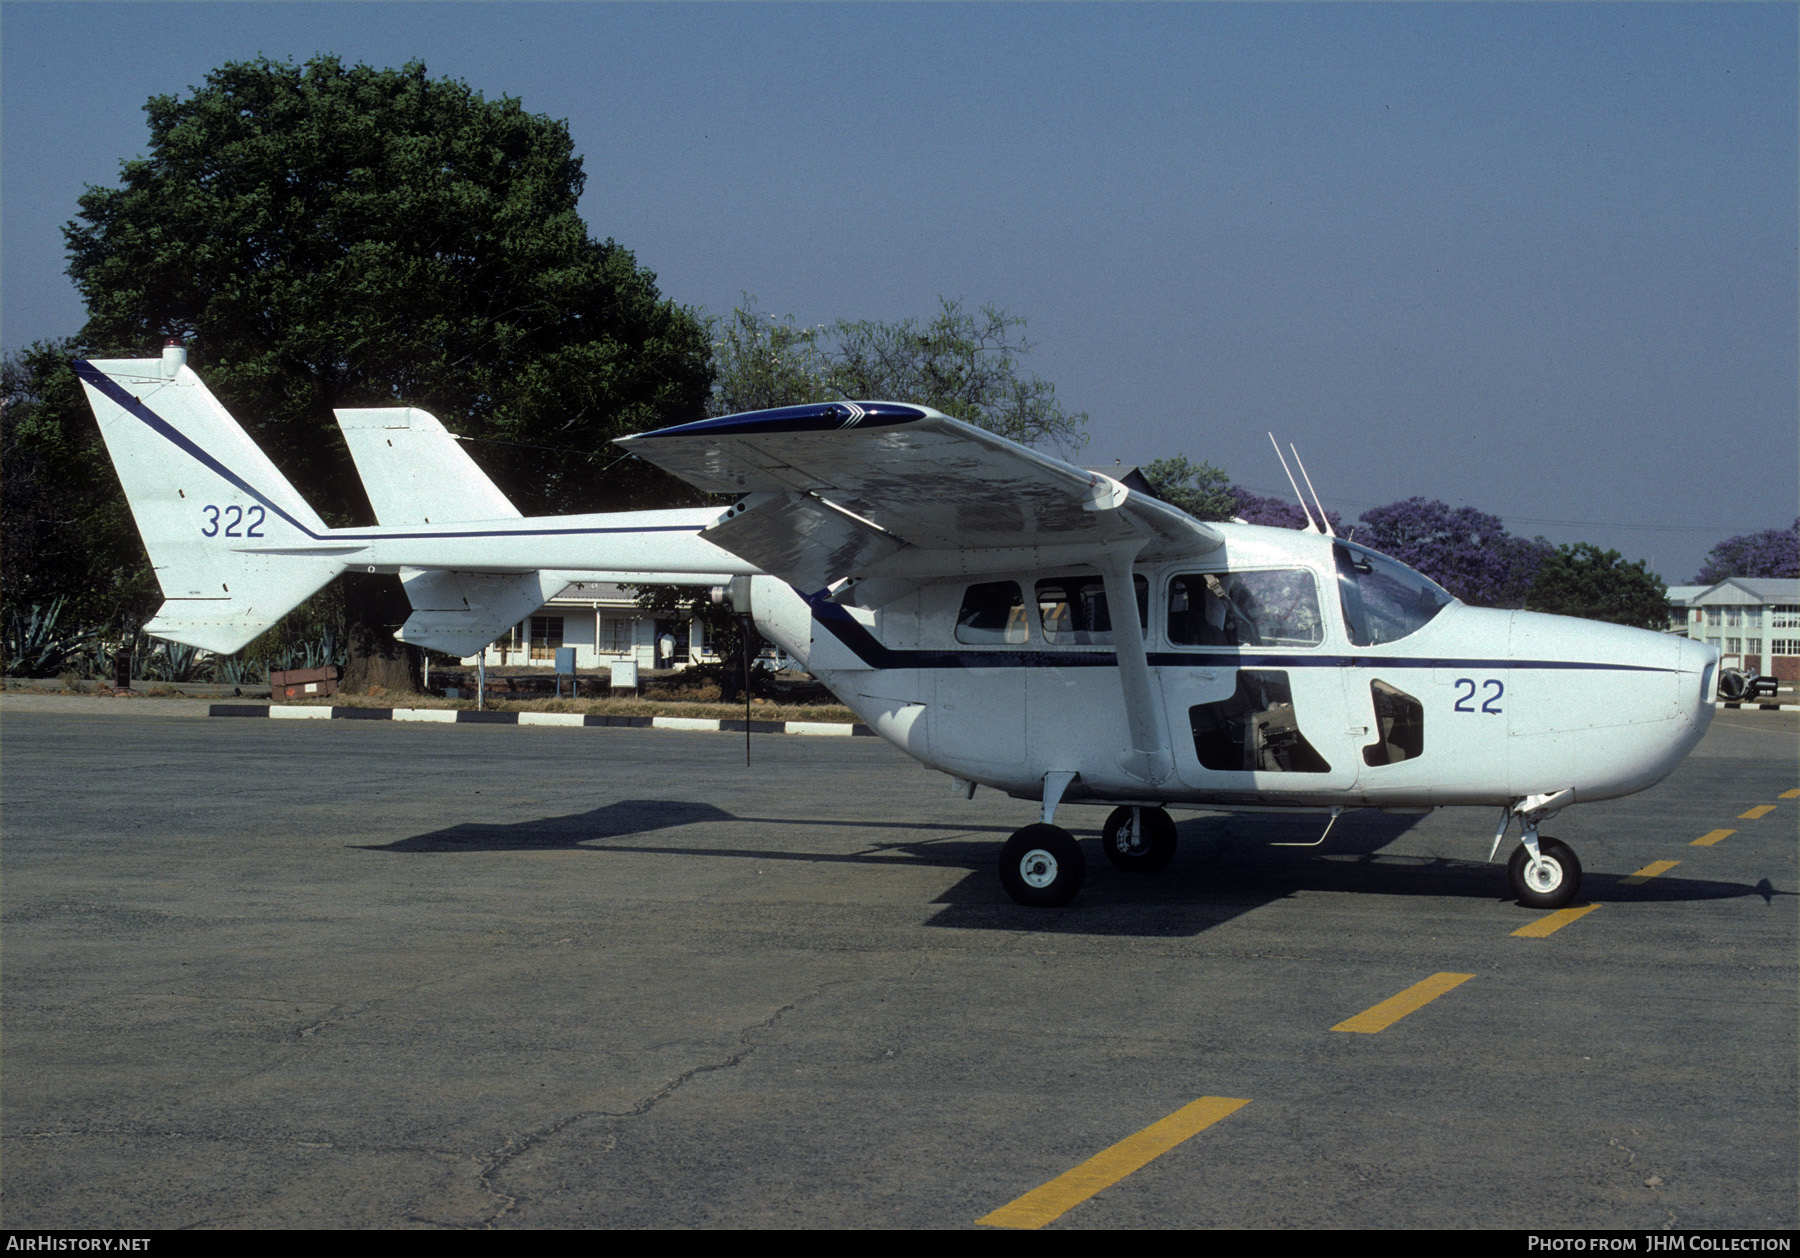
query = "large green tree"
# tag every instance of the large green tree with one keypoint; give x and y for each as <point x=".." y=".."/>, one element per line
<point x="67" y="533"/>
<point x="1200" y="489"/>
<point x="968" y="365"/>
<point x="1583" y="580"/>
<point x="761" y="362"/>
<point x="328" y="235"/>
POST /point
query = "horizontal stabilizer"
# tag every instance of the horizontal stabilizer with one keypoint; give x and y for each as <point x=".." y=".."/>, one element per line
<point x="460" y="613"/>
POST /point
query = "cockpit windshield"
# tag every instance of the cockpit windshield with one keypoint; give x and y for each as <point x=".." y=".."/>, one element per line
<point x="1383" y="600"/>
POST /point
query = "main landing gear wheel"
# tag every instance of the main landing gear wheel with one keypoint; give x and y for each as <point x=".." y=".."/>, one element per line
<point x="1139" y="840"/>
<point x="1549" y="882"/>
<point x="1042" y="866"/>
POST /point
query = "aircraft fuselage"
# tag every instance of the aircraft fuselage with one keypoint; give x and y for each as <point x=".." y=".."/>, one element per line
<point x="1474" y="706"/>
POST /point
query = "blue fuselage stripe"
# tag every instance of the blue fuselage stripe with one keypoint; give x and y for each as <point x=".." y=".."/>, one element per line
<point x="867" y="648"/>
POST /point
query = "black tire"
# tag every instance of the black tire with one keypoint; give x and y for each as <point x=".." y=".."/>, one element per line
<point x="1554" y="884"/>
<point x="1145" y="852"/>
<point x="1042" y="867"/>
<point x="1731" y="684"/>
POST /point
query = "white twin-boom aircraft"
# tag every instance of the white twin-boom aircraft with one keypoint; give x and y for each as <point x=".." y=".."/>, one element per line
<point x="959" y="593"/>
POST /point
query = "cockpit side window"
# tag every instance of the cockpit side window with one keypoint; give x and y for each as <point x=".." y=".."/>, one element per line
<point x="1278" y="607"/>
<point x="993" y="614"/>
<point x="1073" y="610"/>
<point x="1383" y="600"/>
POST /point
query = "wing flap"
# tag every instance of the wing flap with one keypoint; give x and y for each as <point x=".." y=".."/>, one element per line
<point x="804" y="540"/>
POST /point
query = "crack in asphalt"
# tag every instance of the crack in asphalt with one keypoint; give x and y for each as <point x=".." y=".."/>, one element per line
<point x="516" y="1147"/>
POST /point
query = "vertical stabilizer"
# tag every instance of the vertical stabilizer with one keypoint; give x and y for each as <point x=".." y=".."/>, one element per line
<point x="416" y="472"/>
<point x="233" y="544"/>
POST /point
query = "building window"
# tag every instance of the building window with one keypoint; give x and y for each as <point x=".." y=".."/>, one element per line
<point x="546" y="636"/>
<point x="615" y="634"/>
<point x="1734" y="646"/>
<point x="1712" y="617"/>
<point x="1753" y="617"/>
<point x="1784" y="616"/>
<point x="1734" y="616"/>
<point x="1785" y="646"/>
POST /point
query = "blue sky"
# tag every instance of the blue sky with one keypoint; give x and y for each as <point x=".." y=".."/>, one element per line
<point x="1537" y="259"/>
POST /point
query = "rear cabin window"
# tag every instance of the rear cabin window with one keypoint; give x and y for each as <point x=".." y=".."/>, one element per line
<point x="993" y="614"/>
<point x="1073" y="610"/>
<point x="1255" y="730"/>
<point x="1279" y="607"/>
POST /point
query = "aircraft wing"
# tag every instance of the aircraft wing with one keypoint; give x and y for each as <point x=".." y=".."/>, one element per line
<point x="862" y="489"/>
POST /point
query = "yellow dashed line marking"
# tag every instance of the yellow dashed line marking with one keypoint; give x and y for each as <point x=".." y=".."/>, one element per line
<point x="1761" y="810"/>
<point x="1394" y="1008"/>
<point x="1648" y="872"/>
<point x="1103" y="1170"/>
<point x="1711" y="837"/>
<point x="1793" y="794"/>
<point x="1553" y="923"/>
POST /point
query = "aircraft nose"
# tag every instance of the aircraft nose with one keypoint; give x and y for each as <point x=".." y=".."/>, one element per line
<point x="1699" y="668"/>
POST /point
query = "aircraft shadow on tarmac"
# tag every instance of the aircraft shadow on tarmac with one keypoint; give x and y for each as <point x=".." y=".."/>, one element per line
<point x="1226" y="864"/>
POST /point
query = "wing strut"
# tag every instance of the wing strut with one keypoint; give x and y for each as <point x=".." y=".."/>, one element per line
<point x="1148" y="759"/>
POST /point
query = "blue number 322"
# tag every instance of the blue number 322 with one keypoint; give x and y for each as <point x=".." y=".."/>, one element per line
<point x="234" y="518"/>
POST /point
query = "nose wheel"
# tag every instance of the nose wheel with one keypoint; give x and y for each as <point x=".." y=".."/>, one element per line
<point x="1546" y="879"/>
<point x="1041" y="866"/>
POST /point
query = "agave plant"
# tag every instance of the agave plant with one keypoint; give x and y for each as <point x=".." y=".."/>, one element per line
<point x="315" y="654"/>
<point x="235" y="670"/>
<point x="38" y="645"/>
<point x="174" y="662"/>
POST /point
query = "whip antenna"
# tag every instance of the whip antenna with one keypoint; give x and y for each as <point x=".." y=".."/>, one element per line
<point x="1310" y="526"/>
<point x="1325" y="519"/>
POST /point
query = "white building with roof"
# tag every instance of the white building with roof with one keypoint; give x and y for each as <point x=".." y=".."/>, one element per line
<point x="1754" y="621"/>
<point x="605" y="625"/>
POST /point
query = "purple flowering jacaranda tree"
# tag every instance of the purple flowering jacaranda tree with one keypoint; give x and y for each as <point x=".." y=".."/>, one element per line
<point x="1770" y="553"/>
<point x="1466" y="551"/>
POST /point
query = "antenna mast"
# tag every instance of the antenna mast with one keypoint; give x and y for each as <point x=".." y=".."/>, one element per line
<point x="1323" y="518"/>
<point x="1310" y="526"/>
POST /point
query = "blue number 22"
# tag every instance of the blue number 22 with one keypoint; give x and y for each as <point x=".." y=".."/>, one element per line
<point x="1490" y="705"/>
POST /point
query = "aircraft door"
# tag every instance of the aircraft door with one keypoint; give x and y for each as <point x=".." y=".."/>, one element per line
<point x="1253" y="703"/>
<point x="978" y="693"/>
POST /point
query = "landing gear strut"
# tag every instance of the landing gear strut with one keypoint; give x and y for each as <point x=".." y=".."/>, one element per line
<point x="1139" y="840"/>
<point x="1042" y="866"/>
<point x="1547" y="882"/>
<point x="1542" y="872"/>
